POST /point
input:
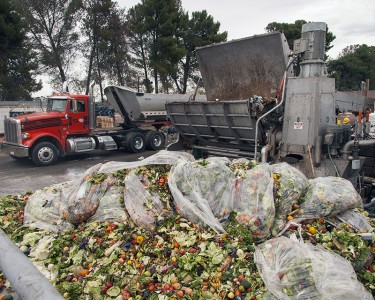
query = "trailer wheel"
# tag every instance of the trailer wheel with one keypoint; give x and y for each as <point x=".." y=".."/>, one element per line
<point x="135" y="142"/>
<point x="44" y="154"/>
<point x="155" y="140"/>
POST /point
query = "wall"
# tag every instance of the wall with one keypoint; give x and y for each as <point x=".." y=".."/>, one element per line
<point x="8" y="108"/>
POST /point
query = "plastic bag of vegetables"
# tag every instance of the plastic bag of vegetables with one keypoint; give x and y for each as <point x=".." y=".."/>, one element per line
<point x="201" y="188"/>
<point x="355" y="219"/>
<point x="111" y="206"/>
<point x="296" y="270"/>
<point x="83" y="201"/>
<point x="254" y="203"/>
<point x="43" y="209"/>
<point x="290" y="184"/>
<point x="142" y="206"/>
<point x="328" y="196"/>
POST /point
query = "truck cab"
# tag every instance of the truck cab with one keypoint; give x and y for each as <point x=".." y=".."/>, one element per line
<point x="69" y="126"/>
<point x="45" y="136"/>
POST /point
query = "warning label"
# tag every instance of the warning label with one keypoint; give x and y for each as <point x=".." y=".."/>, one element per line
<point x="298" y="125"/>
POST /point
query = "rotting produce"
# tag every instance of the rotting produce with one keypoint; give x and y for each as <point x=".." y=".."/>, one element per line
<point x="119" y="255"/>
<point x="171" y="227"/>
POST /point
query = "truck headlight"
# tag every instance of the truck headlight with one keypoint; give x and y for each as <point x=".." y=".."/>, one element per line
<point x="25" y="135"/>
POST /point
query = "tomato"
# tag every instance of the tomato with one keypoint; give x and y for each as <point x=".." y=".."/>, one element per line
<point x="180" y="294"/>
<point x="188" y="291"/>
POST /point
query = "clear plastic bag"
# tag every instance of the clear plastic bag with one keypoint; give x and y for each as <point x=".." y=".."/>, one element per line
<point x="142" y="206"/>
<point x="295" y="270"/>
<point x="111" y="206"/>
<point x="254" y="202"/>
<point x="163" y="157"/>
<point x="327" y="197"/>
<point x="83" y="201"/>
<point x="201" y="187"/>
<point x="355" y="219"/>
<point x="291" y="184"/>
<point x="43" y="210"/>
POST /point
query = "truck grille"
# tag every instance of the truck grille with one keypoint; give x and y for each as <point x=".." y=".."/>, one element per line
<point x="12" y="131"/>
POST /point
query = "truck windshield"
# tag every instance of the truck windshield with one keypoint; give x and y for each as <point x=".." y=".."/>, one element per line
<point x="56" y="104"/>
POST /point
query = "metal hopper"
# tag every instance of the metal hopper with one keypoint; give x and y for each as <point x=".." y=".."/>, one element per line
<point x="242" y="68"/>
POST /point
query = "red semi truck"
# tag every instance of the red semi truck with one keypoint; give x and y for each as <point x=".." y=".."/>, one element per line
<point x="69" y="126"/>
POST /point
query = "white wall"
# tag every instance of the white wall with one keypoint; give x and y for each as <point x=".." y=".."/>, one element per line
<point x="7" y="106"/>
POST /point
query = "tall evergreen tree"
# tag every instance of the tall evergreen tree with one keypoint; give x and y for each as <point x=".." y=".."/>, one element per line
<point x="200" y="30"/>
<point x="355" y="64"/>
<point x="105" y="45"/>
<point x="157" y="38"/>
<point x="164" y="39"/>
<point x="293" y="31"/>
<point x="138" y="37"/>
<point x="17" y="59"/>
<point x="54" y="34"/>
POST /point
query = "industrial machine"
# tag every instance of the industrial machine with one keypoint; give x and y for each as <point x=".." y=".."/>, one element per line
<point x="294" y="122"/>
<point x="70" y="126"/>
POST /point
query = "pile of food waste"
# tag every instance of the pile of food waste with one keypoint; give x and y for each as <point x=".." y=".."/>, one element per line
<point x="171" y="227"/>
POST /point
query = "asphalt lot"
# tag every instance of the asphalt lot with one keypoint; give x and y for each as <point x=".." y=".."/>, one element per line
<point x="19" y="177"/>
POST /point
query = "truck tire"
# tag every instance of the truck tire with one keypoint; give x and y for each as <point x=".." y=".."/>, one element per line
<point x="155" y="140"/>
<point x="135" y="142"/>
<point x="44" y="154"/>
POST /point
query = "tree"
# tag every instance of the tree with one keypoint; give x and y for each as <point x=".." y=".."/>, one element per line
<point x="156" y="38"/>
<point x="17" y="59"/>
<point x="54" y="34"/>
<point x="201" y="30"/>
<point x="355" y="64"/>
<point x="293" y="31"/>
<point x="164" y="39"/>
<point x="97" y="33"/>
<point x="138" y="37"/>
<point x="117" y="61"/>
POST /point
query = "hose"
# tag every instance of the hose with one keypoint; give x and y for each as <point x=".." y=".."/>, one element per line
<point x="334" y="165"/>
<point x="291" y="60"/>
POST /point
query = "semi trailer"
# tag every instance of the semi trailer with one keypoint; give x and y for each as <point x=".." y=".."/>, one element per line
<point x="69" y="125"/>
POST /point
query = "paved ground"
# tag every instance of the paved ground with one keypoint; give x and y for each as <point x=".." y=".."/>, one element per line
<point x="19" y="177"/>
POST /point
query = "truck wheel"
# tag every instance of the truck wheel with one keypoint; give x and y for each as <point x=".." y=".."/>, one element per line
<point x="135" y="142"/>
<point x="44" y="154"/>
<point x="155" y="140"/>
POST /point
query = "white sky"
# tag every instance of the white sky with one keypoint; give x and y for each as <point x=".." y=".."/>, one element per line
<point x="352" y="22"/>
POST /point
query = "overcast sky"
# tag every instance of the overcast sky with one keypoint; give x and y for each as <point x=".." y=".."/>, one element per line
<point x="352" y="22"/>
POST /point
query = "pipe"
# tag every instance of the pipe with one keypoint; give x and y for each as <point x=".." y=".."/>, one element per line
<point x="318" y="150"/>
<point x="346" y="150"/>
<point x="273" y="144"/>
<point x="369" y="180"/>
<point x="264" y="153"/>
<point x="24" y="277"/>
<point x="92" y="123"/>
<point x="291" y="60"/>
